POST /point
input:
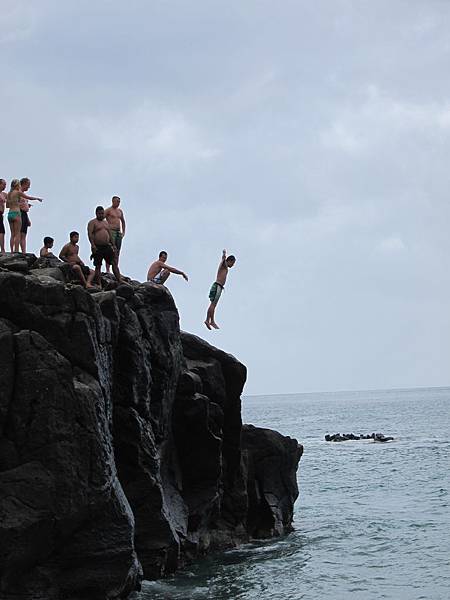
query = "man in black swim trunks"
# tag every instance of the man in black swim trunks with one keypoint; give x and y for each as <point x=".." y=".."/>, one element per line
<point x="25" y="206"/>
<point x="99" y="233"/>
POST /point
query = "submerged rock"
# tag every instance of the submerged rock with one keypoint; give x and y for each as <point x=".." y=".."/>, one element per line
<point x="122" y="451"/>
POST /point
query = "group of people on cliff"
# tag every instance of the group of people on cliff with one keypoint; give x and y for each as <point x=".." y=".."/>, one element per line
<point x="105" y="232"/>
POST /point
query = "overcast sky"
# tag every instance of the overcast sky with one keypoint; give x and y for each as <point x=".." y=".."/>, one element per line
<point x="310" y="139"/>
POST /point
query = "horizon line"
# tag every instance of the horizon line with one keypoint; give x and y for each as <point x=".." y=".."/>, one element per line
<point x="399" y="389"/>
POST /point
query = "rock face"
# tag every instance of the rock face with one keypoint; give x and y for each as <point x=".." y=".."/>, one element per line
<point x="122" y="451"/>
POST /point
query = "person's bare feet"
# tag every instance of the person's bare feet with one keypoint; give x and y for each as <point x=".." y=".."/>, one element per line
<point x="214" y="324"/>
<point x="208" y="325"/>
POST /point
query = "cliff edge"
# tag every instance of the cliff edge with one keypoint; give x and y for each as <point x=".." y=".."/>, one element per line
<point x="122" y="450"/>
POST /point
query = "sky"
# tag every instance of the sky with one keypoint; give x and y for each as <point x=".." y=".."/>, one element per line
<point x="310" y="139"/>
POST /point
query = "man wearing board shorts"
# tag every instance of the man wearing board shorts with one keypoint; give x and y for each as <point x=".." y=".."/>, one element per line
<point x="116" y="221"/>
<point x="217" y="287"/>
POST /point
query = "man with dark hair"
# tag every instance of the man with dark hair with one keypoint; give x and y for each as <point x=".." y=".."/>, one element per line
<point x="159" y="271"/>
<point x="116" y="220"/>
<point x="25" y="206"/>
<point x="69" y="254"/>
<point x="217" y="287"/>
<point x="99" y="233"/>
<point x="48" y="245"/>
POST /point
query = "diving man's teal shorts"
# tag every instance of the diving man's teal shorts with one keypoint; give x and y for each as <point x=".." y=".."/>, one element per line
<point x="215" y="292"/>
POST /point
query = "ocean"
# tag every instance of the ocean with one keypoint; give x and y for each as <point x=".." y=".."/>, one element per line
<point x="372" y="520"/>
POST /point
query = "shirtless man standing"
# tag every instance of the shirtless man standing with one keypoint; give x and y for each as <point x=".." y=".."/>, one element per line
<point x="99" y="233"/>
<point x="25" y="206"/>
<point x="69" y="254"/>
<point x="217" y="287"/>
<point x="116" y="220"/>
<point x="159" y="272"/>
<point x="3" y="198"/>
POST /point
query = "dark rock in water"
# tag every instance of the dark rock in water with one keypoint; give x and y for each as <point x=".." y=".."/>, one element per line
<point x="380" y="437"/>
<point x="337" y="437"/>
<point x="122" y="451"/>
<point x="271" y="482"/>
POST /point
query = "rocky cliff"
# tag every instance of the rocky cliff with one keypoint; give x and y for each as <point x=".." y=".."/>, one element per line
<point x="122" y="451"/>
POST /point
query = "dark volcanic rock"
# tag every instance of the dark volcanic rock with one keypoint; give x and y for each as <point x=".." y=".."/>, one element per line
<point x="17" y="262"/>
<point x="271" y="482"/>
<point x="122" y="451"/>
<point x="64" y="480"/>
<point x="376" y="437"/>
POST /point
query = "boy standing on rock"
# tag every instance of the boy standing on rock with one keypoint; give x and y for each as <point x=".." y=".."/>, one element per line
<point x="217" y="287"/>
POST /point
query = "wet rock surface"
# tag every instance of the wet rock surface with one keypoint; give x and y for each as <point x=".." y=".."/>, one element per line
<point x="122" y="451"/>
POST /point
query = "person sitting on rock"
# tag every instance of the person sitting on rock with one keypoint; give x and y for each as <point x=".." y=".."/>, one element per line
<point x="103" y="249"/>
<point x="44" y="252"/>
<point x="217" y="287"/>
<point x="159" y="271"/>
<point x="69" y="254"/>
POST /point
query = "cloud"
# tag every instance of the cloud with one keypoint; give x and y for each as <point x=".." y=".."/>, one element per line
<point x="339" y="136"/>
<point x="391" y="245"/>
<point x="362" y="126"/>
<point x="145" y="137"/>
<point x="253" y="91"/>
<point x="18" y="21"/>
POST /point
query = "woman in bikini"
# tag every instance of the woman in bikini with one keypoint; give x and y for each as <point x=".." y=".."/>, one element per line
<point x="14" y="216"/>
<point x="3" y="197"/>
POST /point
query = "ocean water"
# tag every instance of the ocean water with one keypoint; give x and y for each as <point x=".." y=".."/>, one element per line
<point x="372" y="520"/>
